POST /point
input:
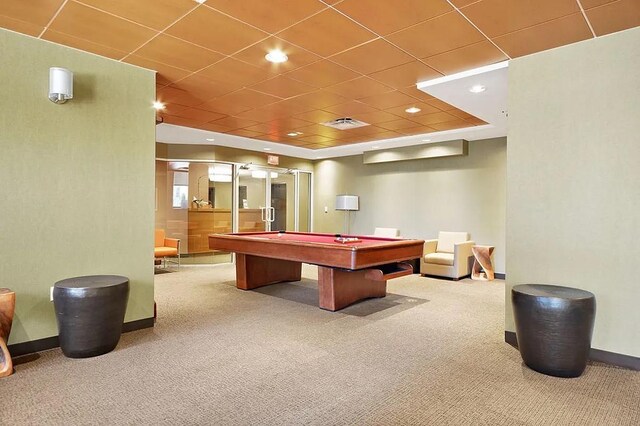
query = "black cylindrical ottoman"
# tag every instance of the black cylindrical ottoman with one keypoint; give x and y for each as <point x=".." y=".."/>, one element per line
<point x="554" y="326"/>
<point x="90" y="312"/>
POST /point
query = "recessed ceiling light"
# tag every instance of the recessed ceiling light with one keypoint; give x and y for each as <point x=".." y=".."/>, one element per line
<point x="158" y="105"/>
<point x="478" y="88"/>
<point x="210" y="139"/>
<point x="375" y="147"/>
<point x="412" y="110"/>
<point x="426" y="140"/>
<point x="292" y="134"/>
<point x="267" y="149"/>
<point x="276" y="56"/>
<point x="200" y="1"/>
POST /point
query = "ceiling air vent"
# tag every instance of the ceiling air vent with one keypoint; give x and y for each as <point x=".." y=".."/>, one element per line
<point x="345" y="123"/>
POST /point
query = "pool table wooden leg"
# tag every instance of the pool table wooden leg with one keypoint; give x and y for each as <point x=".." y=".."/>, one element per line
<point x="255" y="271"/>
<point x="339" y="288"/>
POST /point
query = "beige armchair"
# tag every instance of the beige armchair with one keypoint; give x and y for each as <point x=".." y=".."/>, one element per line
<point x="166" y="247"/>
<point x="386" y="233"/>
<point x="448" y="256"/>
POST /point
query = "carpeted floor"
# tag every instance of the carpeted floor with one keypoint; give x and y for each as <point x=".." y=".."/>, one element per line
<point x="431" y="352"/>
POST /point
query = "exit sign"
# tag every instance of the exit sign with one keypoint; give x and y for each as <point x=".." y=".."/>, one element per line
<point x="273" y="160"/>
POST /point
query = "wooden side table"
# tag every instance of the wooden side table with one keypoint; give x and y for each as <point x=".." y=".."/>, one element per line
<point x="482" y="255"/>
<point x="7" y="309"/>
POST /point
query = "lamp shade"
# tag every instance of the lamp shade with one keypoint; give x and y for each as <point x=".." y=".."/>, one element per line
<point x="60" y="85"/>
<point x="347" y="202"/>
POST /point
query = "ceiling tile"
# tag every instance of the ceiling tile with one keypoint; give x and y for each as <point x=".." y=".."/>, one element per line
<point x="436" y="117"/>
<point x="223" y="106"/>
<point x="245" y="133"/>
<point x="261" y="115"/>
<point x="416" y="93"/>
<point x="374" y="56"/>
<point x="37" y="12"/>
<point x="178" y="53"/>
<point x="327" y="33"/>
<point x="466" y="58"/>
<point x="420" y="130"/>
<point x="441" y="105"/>
<point x="322" y="73"/>
<point x="358" y="88"/>
<point x="98" y="27"/>
<point x="315" y="139"/>
<point x="316" y="116"/>
<point x="180" y="121"/>
<point x="349" y="108"/>
<point x="165" y="74"/>
<point x="319" y="99"/>
<point x="406" y="75"/>
<point x="444" y="33"/>
<point x="173" y="95"/>
<point x="249" y="98"/>
<point x="235" y="122"/>
<point x="82" y="44"/>
<point x="297" y="56"/>
<point x="289" y="124"/>
<point x="387" y="100"/>
<point x="270" y="16"/>
<point x="199" y="115"/>
<point x="449" y="125"/>
<point x="396" y="16"/>
<point x="475" y="121"/>
<point x="152" y="13"/>
<point x="20" y="26"/>
<point x="208" y="28"/>
<point x="319" y="129"/>
<point x="236" y="73"/>
<point x="424" y="109"/>
<point x="615" y="16"/>
<point x="283" y="87"/>
<point x="568" y="29"/>
<point x="462" y="3"/>
<point x="588" y="4"/>
<point x="374" y="117"/>
<point x="172" y="109"/>
<point x="202" y="87"/>
<point x="498" y="17"/>
<point x="461" y="114"/>
<point x="398" y="124"/>
<point x="213" y="127"/>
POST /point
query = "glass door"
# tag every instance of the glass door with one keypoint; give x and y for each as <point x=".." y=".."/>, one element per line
<point x="253" y="213"/>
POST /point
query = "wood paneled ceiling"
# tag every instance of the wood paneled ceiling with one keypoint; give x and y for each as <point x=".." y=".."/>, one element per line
<point x="354" y="58"/>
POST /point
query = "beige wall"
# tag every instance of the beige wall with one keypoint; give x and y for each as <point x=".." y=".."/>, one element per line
<point x="420" y="197"/>
<point x="574" y="180"/>
<point x="77" y="178"/>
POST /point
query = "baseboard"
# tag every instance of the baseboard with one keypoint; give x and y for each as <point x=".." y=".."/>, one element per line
<point x="47" y="343"/>
<point x="500" y="276"/>
<point x="612" y="358"/>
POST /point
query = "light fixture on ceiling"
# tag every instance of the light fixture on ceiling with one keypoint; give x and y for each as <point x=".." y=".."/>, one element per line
<point x="412" y="110"/>
<point x="158" y="105"/>
<point x="200" y="1"/>
<point x="276" y="56"/>
<point x="426" y="140"/>
<point x="477" y="88"/>
<point x="266" y="149"/>
<point x="463" y="74"/>
<point x="210" y="139"/>
<point x="294" y="134"/>
<point x="60" y="85"/>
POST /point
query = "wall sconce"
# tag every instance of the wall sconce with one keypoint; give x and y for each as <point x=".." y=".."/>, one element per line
<point x="60" y="85"/>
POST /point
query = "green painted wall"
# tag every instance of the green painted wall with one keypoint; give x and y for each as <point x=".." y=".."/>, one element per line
<point x="574" y="180"/>
<point x="420" y="197"/>
<point x="77" y="179"/>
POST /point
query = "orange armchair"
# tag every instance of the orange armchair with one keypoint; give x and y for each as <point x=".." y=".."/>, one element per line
<point x="166" y="247"/>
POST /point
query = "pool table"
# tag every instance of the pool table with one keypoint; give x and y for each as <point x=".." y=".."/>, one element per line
<point x="350" y="268"/>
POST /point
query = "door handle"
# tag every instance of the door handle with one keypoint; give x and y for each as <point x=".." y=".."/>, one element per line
<point x="272" y="214"/>
<point x="262" y="214"/>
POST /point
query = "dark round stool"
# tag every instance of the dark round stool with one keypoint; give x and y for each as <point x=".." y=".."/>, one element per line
<point x="554" y="326"/>
<point x="90" y="312"/>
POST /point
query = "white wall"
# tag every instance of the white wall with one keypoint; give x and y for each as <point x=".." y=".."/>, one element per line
<point x="421" y="197"/>
<point x="574" y="179"/>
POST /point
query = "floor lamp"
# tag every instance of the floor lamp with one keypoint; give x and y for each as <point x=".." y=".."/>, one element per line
<point x="347" y="203"/>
